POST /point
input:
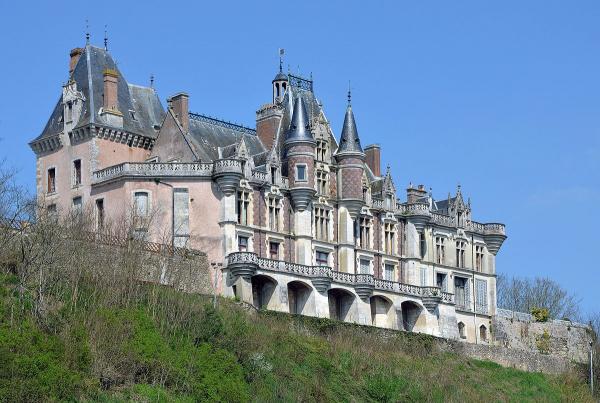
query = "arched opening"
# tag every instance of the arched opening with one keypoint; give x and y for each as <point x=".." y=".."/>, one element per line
<point x="412" y="318"/>
<point x="277" y="90"/>
<point x="340" y="303"/>
<point x="462" y="332"/>
<point x="482" y="333"/>
<point x="263" y="288"/>
<point x="298" y="295"/>
<point x="380" y="312"/>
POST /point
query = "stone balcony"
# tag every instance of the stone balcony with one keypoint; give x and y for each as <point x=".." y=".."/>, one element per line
<point x="246" y="264"/>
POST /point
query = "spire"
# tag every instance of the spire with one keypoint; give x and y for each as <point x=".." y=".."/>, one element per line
<point x="299" y="128"/>
<point x="105" y="38"/>
<point x="87" y="32"/>
<point x="349" y="141"/>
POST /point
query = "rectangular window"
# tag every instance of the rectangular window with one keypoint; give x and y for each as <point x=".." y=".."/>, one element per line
<point x="389" y="238"/>
<point x="479" y="258"/>
<point x="243" y="205"/>
<point x="77" y="204"/>
<point x="440" y="250"/>
<point x="481" y="296"/>
<point x="422" y="244"/>
<point x="460" y="254"/>
<point x="100" y="214"/>
<point x="141" y="204"/>
<point x="423" y="276"/>
<point x="388" y="272"/>
<point x="242" y="244"/>
<point x="76" y="172"/>
<point x="321" y="150"/>
<point x="273" y="175"/>
<point x="301" y="173"/>
<point x="51" y="180"/>
<point x="321" y="182"/>
<point x="52" y="212"/>
<point x="364" y="235"/>
<point x="364" y="266"/>
<point x="274" y="213"/>
<point x="181" y="217"/>
<point x="274" y="250"/>
<point x="461" y="292"/>
<point x="441" y="281"/>
<point x="321" y="223"/>
<point x="322" y="258"/>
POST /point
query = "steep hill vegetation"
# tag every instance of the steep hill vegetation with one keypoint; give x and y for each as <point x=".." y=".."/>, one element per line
<point x="162" y="345"/>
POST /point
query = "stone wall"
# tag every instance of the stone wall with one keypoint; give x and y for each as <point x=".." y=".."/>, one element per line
<point x="558" y="338"/>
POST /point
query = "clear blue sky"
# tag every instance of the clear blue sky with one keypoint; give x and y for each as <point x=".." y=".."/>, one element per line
<point x="503" y="97"/>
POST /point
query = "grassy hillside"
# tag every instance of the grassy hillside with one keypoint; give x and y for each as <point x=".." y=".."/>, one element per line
<point x="161" y="345"/>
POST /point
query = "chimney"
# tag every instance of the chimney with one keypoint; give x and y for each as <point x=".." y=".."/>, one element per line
<point x="268" y="118"/>
<point x="373" y="158"/>
<point x="180" y="105"/>
<point x="413" y="194"/>
<point x="111" y="86"/>
<point x="74" y="54"/>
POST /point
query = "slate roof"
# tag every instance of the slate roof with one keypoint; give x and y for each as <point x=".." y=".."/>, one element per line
<point x="300" y="125"/>
<point x="208" y="134"/>
<point x="349" y="140"/>
<point x="88" y="74"/>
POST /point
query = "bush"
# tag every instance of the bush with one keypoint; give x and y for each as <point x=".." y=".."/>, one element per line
<point x="540" y="314"/>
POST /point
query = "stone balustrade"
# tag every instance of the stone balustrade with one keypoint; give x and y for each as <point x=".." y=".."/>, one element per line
<point x="361" y="282"/>
<point x="153" y="169"/>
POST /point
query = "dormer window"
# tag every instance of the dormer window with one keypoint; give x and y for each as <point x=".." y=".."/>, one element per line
<point x="321" y="150"/>
<point x="69" y="112"/>
<point x="132" y="114"/>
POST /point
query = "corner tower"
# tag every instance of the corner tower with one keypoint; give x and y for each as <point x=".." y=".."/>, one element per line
<point x="350" y="157"/>
<point x="300" y="151"/>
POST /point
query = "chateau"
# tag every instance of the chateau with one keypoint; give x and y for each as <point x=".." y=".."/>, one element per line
<point x="298" y="219"/>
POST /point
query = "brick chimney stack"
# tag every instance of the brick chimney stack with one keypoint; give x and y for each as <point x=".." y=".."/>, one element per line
<point x="180" y="105"/>
<point x="111" y="87"/>
<point x="373" y="158"/>
<point x="74" y="54"/>
<point x="413" y="194"/>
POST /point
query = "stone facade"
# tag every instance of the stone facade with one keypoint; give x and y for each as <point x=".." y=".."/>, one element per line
<point x="299" y="221"/>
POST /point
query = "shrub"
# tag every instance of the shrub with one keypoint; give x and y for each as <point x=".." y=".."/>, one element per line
<point x="540" y="314"/>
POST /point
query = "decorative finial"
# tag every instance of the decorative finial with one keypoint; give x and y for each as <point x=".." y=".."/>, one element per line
<point x="87" y="32"/>
<point x="151" y="80"/>
<point x="349" y="94"/>
<point x="105" y="38"/>
<point x="281" y="53"/>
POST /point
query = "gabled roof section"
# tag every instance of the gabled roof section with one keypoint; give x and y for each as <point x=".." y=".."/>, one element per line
<point x="209" y="134"/>
<point x="141" y="107"/>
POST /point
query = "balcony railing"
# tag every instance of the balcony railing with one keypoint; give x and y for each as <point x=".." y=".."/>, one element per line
<point x="338" y="277"/>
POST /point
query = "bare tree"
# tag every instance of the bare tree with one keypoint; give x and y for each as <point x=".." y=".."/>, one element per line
<point x="523" y="294"/>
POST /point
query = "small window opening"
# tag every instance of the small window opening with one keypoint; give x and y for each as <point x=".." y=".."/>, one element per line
<point x="51" y="180"/>
<point x="76" y="172"/>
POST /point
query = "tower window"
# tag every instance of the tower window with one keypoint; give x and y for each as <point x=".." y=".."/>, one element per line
<point x="273" y="175"/>
<point x="76" y="172"/>
<point x="422" y="244"/>
<point x="51" y="180"/>
<point x="301" y="173"/>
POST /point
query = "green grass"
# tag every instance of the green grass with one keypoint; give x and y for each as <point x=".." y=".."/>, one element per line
<point x="171" y="347"/>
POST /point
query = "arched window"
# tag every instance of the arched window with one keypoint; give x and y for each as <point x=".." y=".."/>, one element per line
<point x="461" y="330"/>
<point x="483" y="333"/>
<point x="277" y="89"/>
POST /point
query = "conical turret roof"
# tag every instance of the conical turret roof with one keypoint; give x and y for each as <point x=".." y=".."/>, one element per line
<point x="349" y="141"/>
<point x="299" y="127"/>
